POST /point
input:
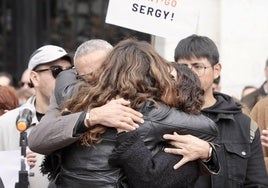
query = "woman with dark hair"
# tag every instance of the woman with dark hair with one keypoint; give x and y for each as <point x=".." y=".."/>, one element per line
<point x="153" y="168"/>
<point x="134" y="71"/>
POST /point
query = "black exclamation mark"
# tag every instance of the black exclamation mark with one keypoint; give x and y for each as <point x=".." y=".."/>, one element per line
<point x="172" y="16"/>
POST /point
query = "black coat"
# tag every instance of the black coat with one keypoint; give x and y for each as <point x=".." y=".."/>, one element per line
<point x="140" y="153"/>
<point x="239" y="152"/>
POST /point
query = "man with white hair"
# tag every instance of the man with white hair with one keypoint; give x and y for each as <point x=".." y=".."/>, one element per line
<point x="55" y="131"/>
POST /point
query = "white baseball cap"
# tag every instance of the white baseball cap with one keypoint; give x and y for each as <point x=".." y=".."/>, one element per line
<point x="47" y="54"/>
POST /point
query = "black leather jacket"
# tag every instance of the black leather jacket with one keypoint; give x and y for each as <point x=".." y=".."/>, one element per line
<point x="154" y="168"/>
<point x="83" y="166"/>
<point x="166" y="120"/>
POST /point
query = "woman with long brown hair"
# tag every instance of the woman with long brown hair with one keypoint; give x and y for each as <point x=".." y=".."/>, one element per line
<point x="153" y="167"/>
<point x="136" y="72"/>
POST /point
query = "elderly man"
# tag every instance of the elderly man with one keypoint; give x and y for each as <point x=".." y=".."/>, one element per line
<point x="55" y="131"/>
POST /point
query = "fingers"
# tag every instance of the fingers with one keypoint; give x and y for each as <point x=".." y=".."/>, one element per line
<point x="124" y="126"/>
<point x="190" y="147"/>
<point x="31" y="158"/>
<point x="122" y="101"/>
<point x="265" y="132"/>
<point x="133" y="114"/>
<point x="173" y="136"/>
<point x="177" y="152"/>
<point x="117" y="114"/>
<point x="264" y="138"/>
<point x="175" y="139"/>
<point x="128" y="121"/>
<point x="180" y="163"/>
<point x="31" y="162"/>
<point x="30" y="154"/>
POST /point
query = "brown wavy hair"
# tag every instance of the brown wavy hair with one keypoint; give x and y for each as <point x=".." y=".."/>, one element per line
<point x="134" y="71"/>
<point x="8" y="98"/>
<point x="190" y="95"/>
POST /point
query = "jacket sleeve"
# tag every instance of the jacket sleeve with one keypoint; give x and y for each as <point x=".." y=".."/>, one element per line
<point x="212" y="166"/>
<point x="256" y="172"/>
<point x="145" y="170"/>
<point x="54" y="131"/>
<point x="166" y="120"/>
<point x="65" y="86"/>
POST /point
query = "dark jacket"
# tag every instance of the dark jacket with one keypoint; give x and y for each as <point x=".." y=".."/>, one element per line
<point x="251" y="99"/>
<point x="83" y="166"/>
<point x="88" y="167"/>
<point x="66" y="85"/>
<point x="240" y="153"/>
<point x="154" y="167"/>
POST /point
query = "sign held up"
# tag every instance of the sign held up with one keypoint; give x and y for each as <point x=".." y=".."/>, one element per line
<point x="164" y="18"/>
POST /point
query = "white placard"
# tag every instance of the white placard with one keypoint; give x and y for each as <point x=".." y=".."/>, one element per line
<point x="9" y="167"/>
<point x="164" y="18"/>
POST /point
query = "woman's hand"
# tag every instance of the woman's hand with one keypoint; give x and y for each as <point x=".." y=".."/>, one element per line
<point x="31" y="158"/>
<point x="264" y="138"/>
<point x="190" y="147"/>
<point x="116" y="113"/>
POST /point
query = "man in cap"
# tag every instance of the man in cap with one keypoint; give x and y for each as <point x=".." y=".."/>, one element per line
<point x="44" y="65"/>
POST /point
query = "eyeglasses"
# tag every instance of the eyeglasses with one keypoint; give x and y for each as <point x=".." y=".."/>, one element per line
<point x="21" y="84"/>
<point x="198" y="68"/>
<point x="55" y="70"/>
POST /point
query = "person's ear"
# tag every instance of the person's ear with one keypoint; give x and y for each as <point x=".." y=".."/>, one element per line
<point x="34" y="78"/>
<point x="217" y="70"/>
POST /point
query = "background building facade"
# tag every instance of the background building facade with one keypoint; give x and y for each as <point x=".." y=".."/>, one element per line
<point x="25" y="25"/>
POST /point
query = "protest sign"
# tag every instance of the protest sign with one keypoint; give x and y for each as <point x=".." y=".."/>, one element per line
<point x="164" y="18"/>
<point x="10" y="166"/>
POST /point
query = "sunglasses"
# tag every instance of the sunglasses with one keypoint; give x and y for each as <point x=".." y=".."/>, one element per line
<point x="55" y="70"/>
<point x="21" y="84"/>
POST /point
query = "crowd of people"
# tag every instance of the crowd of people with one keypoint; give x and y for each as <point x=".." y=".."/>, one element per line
<point x="124" y="116"/>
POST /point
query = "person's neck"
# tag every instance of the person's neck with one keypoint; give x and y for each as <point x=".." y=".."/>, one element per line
<point x="41" y="104"/>
<point x="210" y="100"/>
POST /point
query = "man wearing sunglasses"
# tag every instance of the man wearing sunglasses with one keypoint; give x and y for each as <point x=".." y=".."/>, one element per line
<point x="44" y="66"/>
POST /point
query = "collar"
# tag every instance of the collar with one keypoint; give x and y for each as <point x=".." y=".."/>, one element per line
<point x="31" y="101"/>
